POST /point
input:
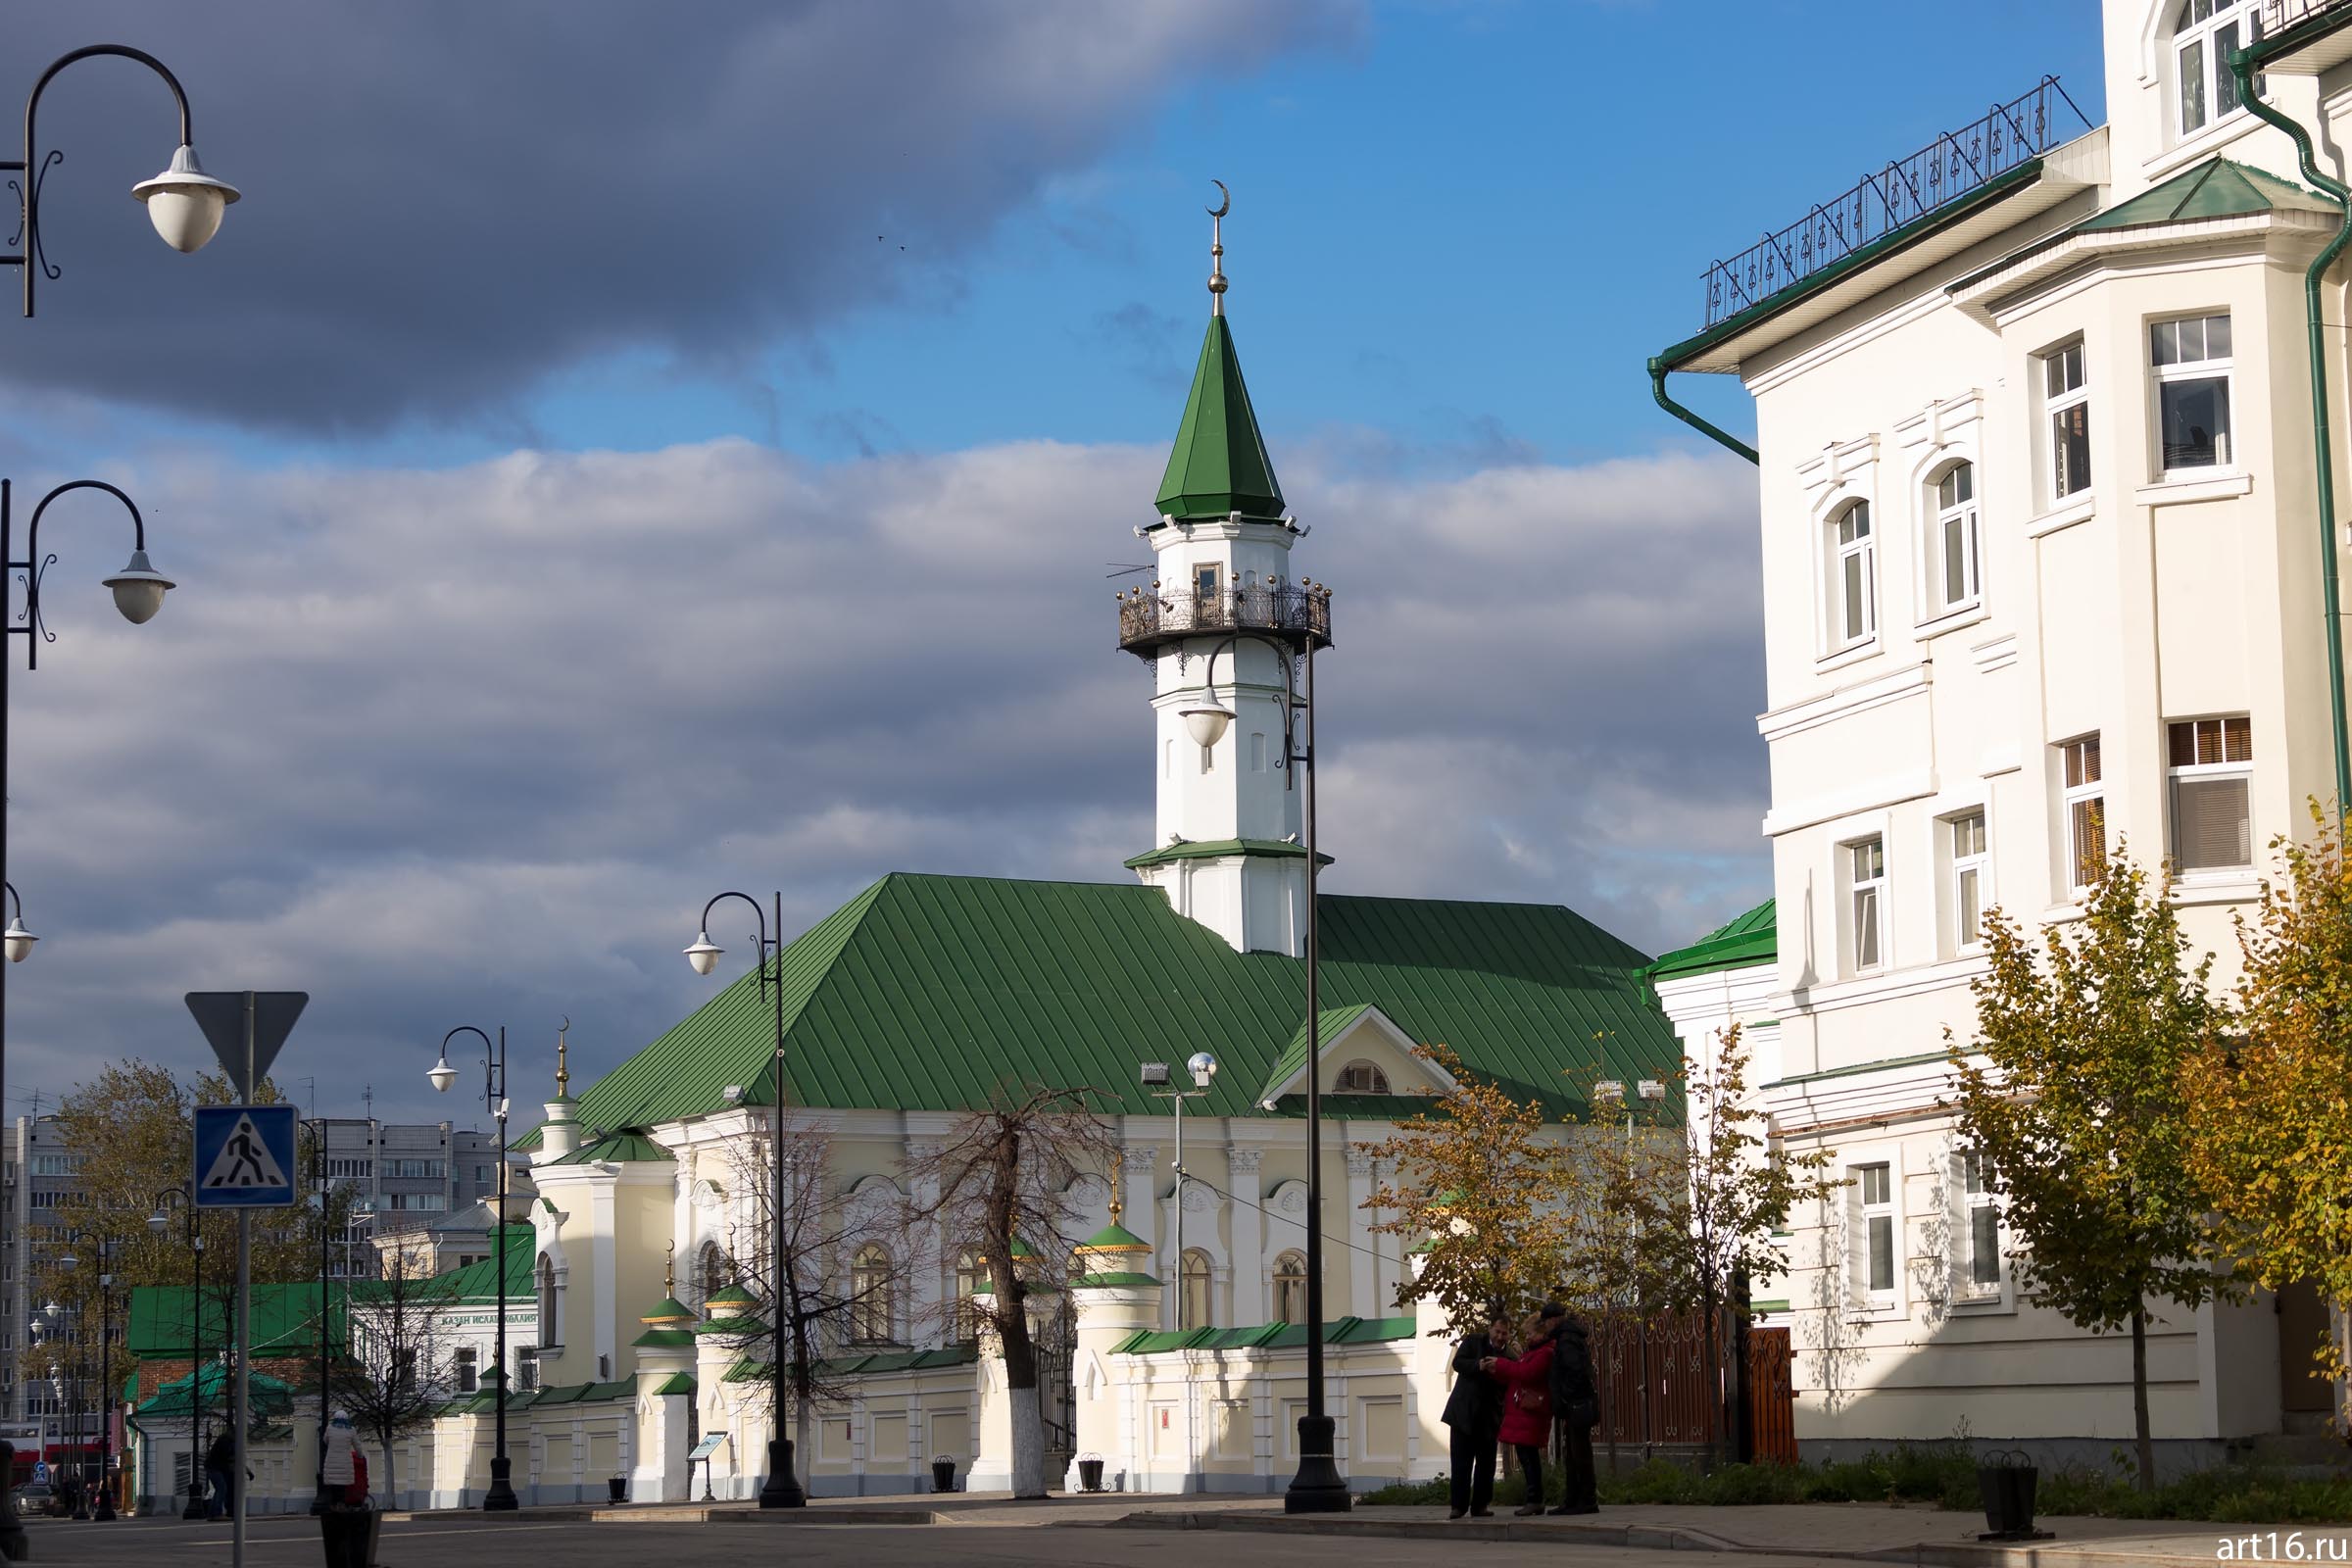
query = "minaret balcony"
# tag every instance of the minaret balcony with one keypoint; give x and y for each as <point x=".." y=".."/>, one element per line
<point x="1295" y="614"/>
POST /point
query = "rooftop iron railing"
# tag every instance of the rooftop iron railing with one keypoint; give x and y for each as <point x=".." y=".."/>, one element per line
<point x="1894" y="197"/>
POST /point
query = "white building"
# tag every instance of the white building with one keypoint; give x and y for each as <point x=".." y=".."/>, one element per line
<point x="2035" y="456"/>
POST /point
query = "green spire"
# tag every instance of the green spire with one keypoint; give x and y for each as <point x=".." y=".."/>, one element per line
<point x="1220" y="464"/>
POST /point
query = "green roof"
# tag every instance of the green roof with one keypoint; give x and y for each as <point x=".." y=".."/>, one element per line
<point x="479" y="1282"/>
<point x="663" y="1338"/>
<point x="1265" y="1335"/>
<point x="285" y="1320"/>
<point x="1126" y="1277"/>
<point x="628" y="1145"/>
<point x="269" y="1395"/>
<point x="1214" y="849"/>
<point x="748" y="1370"/>
<point x="1219" y="464"/>
<point x="1114" y="1238"/>
<point x="929" y="993"/>
<point x="1750" y="939"/>
<point x="669" y="1310"/>
<point x="1333" y="1022"/>
<point x="2215" y="188"/>
<point x="730" y="1296"/>
<point x="677" y="1382"/>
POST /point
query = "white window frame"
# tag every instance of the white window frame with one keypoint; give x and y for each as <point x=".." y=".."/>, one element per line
<point x="2055" y="404"/>
<point x="2241" y="21"/>
<point x="2205" y="367"/>
<point x="2071" y="795"/>
<point x="1888" y="1208"/>
<point x="1941" y="519"/>
<point x="1967" y="940"/>
<point x="1967" y="1166"/>
<point x="1216" y="583"/>
<point x="1863" y="550"/>
<point x="1856" y="886"/>
<point x="2177" y="774"/>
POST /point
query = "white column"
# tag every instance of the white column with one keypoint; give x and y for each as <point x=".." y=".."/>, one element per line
<point x="1249" y="1305"/>
<point x="1362" y="1277"/>
<point x="929" y="1281"/>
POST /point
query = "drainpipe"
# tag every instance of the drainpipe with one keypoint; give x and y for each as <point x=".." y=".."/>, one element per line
<point x="1657" y="389"/>
<point x="2242" y="65"/>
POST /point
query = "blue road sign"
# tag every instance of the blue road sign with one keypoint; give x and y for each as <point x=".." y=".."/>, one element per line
<point x="244" y="1157"/>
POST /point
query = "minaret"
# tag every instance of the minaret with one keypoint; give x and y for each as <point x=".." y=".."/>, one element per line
<point x="1226" y="837"/>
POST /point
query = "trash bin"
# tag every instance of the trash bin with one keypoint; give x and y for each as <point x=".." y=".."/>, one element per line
<point x="343" y="1533"/>
<point x="1090" y="1472"/>
<point x="619" y="1488"/>
<point x="2006" y="1481"/>
<point x="943" y="1474"/>
<point x="372" y="1529"/>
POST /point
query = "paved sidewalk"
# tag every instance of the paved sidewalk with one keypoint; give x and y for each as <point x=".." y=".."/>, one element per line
<point x="1864" y="1532"/>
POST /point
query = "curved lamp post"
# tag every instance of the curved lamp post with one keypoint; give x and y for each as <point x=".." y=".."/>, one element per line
<point x="1317" y="1488"/>
<point x="159" y="1223"/>
<point x="105" y="1508"/>
<point x="500" y="1499"/>
<point x="183" y="202"/>
<point x="782" y="1487"/>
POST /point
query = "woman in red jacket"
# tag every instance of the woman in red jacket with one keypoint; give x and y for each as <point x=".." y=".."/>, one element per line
<point x="1527" y="1408"/>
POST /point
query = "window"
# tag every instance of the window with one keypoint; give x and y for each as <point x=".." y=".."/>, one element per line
<point x="1969" y="873"/>
<point x="549" y="1328"/>
<point x="2190" y="359"/>
<point x="2212" y="760"/>
<point x="2069" y="407"/>
<point x="1983" y="1236"/>
<point x="970" y="1275"/>
<point x="713" y="1270"/>
<point x="1208" y="578"/>
<point x="416" y="1168"/>
<point x="1865" y="887"/>
<point x="1361" y="1078"/>
<point x="58" y="1164"/>
<point x="1875" y="1184"/>
<point x="351" y="1168"/>
<point x="870" y="1297"/>
<point x="2085" y="798"/>
<point x="1289" y="1287"/>
<point x="1192" y="1292"/>
<point x="526" y="1368"/>
<point x="2204" y="33"/>
<point x="1952" y="550"/>
<point x="1853" y="577"/>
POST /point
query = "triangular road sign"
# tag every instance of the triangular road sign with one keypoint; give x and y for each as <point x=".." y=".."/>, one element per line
<point x="221" y="1014"/>
<point x="245" y="1161"/>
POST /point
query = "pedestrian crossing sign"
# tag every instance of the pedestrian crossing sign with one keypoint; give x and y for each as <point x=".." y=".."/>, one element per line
<point x="244" y="1157"/>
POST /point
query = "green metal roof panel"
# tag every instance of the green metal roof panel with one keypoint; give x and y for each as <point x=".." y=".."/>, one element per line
<point x="628" y="1145"/>
<point x="927" y="993"/>
<point x="1332" y="1022"/>
<point x="479" y="1282"/>
<point x="1219" y="464"/>
<point x="2215" y="188"/>
<point x="1114" y="1238"/>
<point x="1749" y="939"/>
<point x="663" y="1338"/>
<point x="1115" y="1277"/>
<point x="730" y="1296"/>
<point x="285" y="1319"/>
<point x="1214" y="849"/>
<point x="676" y="1383"/>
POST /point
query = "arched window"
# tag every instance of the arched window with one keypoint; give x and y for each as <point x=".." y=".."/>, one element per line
<point x="2204" y="33"/>
<point x="1193" y="1273"/>
<point x="550" y="1330"/>
<point x="1361" y="1078"/>
<point x="970" y="1274"/>
<point x="1853" y="576"/>
<point x="713" y="1269"/>
<point x="1289" y="1287"/>
<point x="1951" y="552"/>
<point x="870" y="1293"/>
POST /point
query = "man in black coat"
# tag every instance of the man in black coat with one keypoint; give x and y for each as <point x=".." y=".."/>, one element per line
<point x="1474" y="1416"/>
<point x="1576" y="1407"/>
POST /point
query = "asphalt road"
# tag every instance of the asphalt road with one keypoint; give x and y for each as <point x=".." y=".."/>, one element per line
<point x="477" y="1544"/>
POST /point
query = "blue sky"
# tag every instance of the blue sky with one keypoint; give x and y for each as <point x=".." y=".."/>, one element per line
<point x="578" y="508"/>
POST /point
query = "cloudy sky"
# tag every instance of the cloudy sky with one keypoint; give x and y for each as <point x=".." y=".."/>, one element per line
<point x="617" y="453"/>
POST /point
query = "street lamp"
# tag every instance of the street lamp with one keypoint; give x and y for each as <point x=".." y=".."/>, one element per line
<point x="160" y="1222"/>
<point x="17" y="940"/>
<point x="500" y="1499"/>
<point x="781" y="1488"/>
<point x="105" y="1363"/>
<point x="1202" y="1070"/>
<point x="1317" y="1487"/>
<point x="318" y="1189"/>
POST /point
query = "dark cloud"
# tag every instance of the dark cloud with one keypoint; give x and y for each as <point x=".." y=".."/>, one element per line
<point x="475" y="744"/>
<point x="447" y="201"/>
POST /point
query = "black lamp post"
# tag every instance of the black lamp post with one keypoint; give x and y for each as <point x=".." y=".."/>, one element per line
<point x="318" y="1126"/>
<point x="782" y="1487"/>
<point x="500" y="1499"/>
<point x="159" y="1222"/>
<point x="105" y="1508"/>
<point x="1318" y="1486"/>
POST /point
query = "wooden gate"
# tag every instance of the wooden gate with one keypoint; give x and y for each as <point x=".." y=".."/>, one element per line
<point x="1656" y="1393"/>
<point x="1771" y="1392"/>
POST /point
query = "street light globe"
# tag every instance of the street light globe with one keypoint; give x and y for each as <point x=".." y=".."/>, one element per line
<point x="704" y="954"/>
<point x="1202" y="1065"/>
<point x="1206" y="725"/>
<point x="17" y="940"/>
<point x="139" y="589"/>
<point x="68" y="1263"/>
<point x="159" y="1222"/>
<point x="442" y="1075"/>
<point x="184" y="203"/>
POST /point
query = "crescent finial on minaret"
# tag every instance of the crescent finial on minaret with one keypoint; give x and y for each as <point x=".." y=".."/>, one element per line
<point x="562" y="1074"/>
<point x="1217" y="249"/>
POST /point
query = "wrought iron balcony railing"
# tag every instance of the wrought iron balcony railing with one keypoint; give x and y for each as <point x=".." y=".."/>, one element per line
<point x="1893" y="198"/>
<point x="1293" y="613"/>
<point x="2274" y="16"/>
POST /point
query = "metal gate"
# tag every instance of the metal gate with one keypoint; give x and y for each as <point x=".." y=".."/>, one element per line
<point x="1660" y="1390"/>
<point x="1057" y="1388"/>
<point x="1771" y="1397"/>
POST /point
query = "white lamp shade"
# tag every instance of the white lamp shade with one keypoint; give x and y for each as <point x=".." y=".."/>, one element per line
<point x="68" y="1263"/>
<point x="1206" y="725"/>
<point x="1202" y="1065"/>
<point x="442" y="1075"/>
<point x="704" y="954"/>
<point x="17" y="941"/>
<point x="139" y="589"/>
<point x="159" y="1222"/>
<point x="184" y="203"/>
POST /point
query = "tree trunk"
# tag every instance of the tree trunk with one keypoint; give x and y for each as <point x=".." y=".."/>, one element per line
<point x="2142" y="1440"/>
<point x="1028" y="1443"/>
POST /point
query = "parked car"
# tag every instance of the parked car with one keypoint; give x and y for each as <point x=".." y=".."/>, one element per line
<point x="36" y="1498"/>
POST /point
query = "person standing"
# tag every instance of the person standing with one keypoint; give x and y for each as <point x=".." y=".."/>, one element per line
<point x="1527" y="1407"/>
<point x="1575" y="1405"/>
<point x="1474" y="1416"/>
<point x="220" y="1463"/>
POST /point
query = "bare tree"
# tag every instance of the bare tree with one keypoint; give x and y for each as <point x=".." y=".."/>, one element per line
<point x="400" y="1364"/>
<point x="1004" y="1176"/>
<point x="828" y="1301"/>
